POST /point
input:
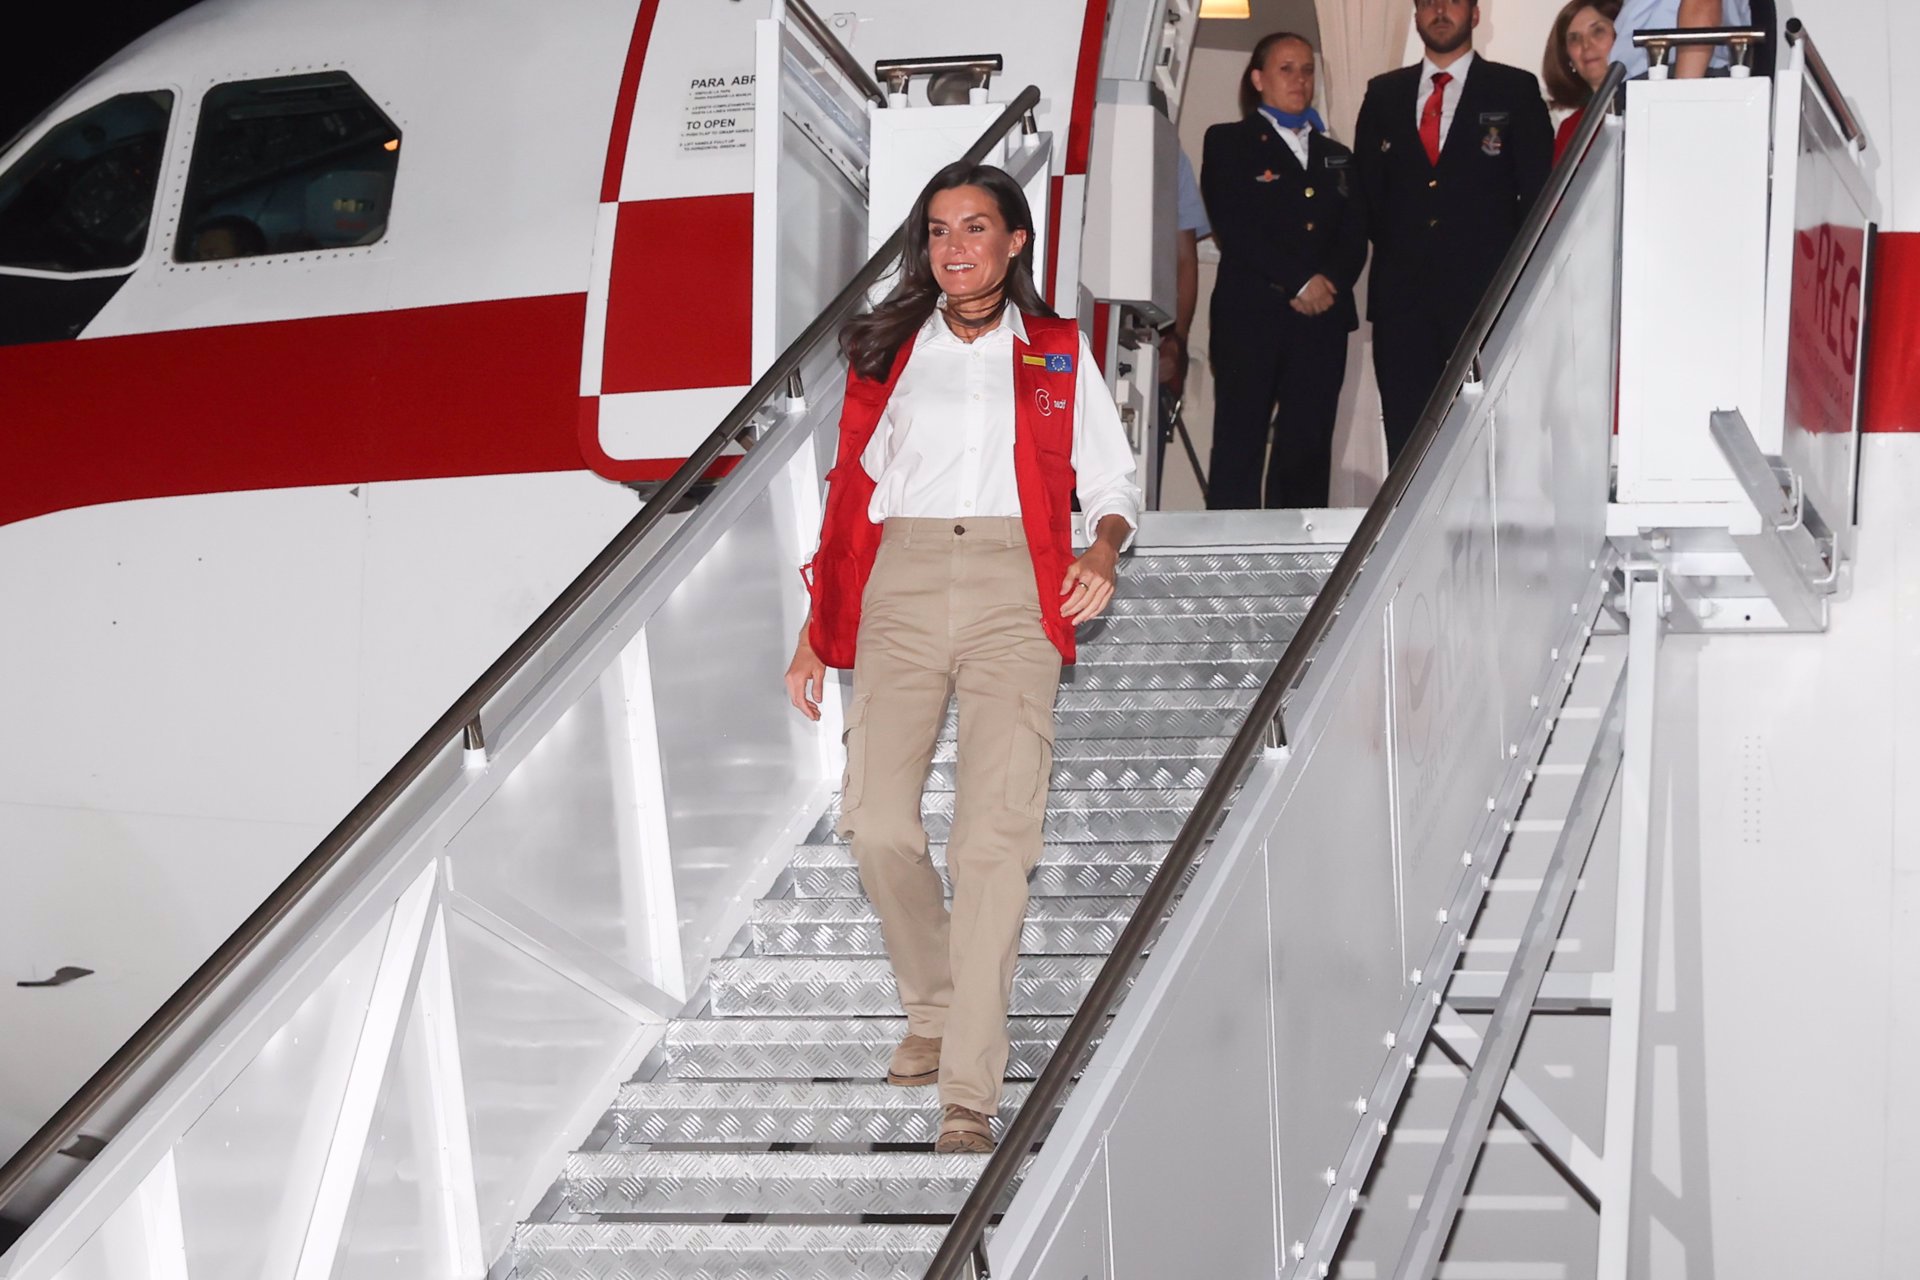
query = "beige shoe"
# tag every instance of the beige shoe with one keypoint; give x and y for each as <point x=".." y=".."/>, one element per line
<point x="963" y="1129"/>
<point x="916" y="1061"/>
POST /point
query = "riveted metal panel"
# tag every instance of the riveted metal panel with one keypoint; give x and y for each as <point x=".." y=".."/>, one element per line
<point x="1338" y="968"/>
<point x="1212" y="1168"/>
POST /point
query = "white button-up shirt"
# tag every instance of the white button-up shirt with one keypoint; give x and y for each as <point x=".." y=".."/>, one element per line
<point x="1449" y="97"/>
<point x="944" y="445"/>
<point x="1296" y="139"/>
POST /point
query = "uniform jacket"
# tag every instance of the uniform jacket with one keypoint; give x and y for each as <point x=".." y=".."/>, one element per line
<point x="1278" y="224"/>
<point x="1439" y="232"/>
<point x="1043" y="390"/>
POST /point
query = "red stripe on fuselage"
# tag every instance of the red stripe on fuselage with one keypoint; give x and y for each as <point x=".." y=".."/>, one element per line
<point x="482" y="388"/>
<point x="623" y="105"/>
<point x="680" y="297"/>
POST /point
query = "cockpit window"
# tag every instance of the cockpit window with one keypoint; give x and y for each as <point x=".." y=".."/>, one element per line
<point x="287" y="165"/>
<point x="81" y="198"/>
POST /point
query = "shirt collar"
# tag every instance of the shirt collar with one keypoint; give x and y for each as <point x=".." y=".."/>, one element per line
<point x="1458" y="70"/>
<point x="936" y="330"/>
<point x="1273" y="120"/>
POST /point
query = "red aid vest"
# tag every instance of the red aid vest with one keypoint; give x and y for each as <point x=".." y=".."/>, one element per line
<point x="1043" y="396"/>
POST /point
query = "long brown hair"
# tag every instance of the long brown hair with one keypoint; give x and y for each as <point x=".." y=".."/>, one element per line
<point x="1250" y="96"/>
<point x="1565" y="88"/>
<point x="871" y="341"/>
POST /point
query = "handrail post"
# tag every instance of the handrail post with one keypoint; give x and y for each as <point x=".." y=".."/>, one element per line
<point x="473" y="744"/>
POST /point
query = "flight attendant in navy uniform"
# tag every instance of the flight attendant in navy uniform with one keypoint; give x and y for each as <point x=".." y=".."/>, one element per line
<point x="947" y="573"/>
<point x="1452" y="153"/>
<point x="1284" y="200"/>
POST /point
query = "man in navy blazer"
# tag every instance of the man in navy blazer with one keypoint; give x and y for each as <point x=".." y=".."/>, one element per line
<point x="1452" y="153"/>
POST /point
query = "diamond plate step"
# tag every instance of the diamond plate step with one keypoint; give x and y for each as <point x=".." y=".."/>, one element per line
<point x="1182" y="563"/>
<point x="1148" y="605"/>
<point x="723" y="1251"/>
<point x="1065" y="822"/>
<point x="848" y="927"/>
<point x="1157" y="724"/>
<point x="1119" y="868"/>
<point x="1176" y="673"/>
<point x="862" y="987"/>
<point x="1199" y="628"/>
<point x="1068" y="750"/>
<point x="800" y="1183"/>
<point x="822" y="1048"/>
<point x="1178" y="771"/>
<point x="939" y="803"/>
<point x="765" y="1112"/>
<point x="1287" y="580"/>
<point x="1173" y="654"/>
<point x="1071" y="700"/>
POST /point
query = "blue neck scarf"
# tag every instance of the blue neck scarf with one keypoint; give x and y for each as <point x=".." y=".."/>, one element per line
<point x="1294" y="120"/>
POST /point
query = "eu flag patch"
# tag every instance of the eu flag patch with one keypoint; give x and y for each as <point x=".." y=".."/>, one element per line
<point x="1059" y="364"/>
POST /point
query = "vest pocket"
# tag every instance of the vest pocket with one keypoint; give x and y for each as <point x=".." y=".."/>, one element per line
<point x="1030" y="764"/>
<point x="853" y="784"/>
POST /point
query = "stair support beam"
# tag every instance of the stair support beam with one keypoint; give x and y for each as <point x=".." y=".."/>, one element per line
<point x="1645" y="588"/>
<point x="1460" y="1150"/>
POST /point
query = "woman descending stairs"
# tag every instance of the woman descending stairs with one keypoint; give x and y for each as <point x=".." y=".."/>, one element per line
<point x="762" y="1140"/>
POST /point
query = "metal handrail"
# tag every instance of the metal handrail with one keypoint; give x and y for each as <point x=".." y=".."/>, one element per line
<point x="1657" y="42"/>
<point x="466" y="710"/>
<point x="830" y="44"/>
<point x="1682" y="36"/>
<point x="969" y="1225"/>
<point x="1823" y="80"/>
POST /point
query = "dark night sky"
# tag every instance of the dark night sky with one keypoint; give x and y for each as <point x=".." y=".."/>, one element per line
<point x="72" y="40"/>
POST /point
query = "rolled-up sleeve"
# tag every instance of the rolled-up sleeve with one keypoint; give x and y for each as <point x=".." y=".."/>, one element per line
<point x="1102" y="459"/>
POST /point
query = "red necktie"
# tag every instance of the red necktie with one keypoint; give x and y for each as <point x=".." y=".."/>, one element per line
<point x="1430" y="117"/>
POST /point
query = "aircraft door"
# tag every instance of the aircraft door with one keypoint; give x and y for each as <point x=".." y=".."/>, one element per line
<point x="668" y="345"/>
<point x="812" y="157"/>
<point x="76" y="215"/>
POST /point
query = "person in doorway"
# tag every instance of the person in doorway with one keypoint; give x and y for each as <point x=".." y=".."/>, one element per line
<point x="1579" y="51"/>
<point x="1285" y="204"/>
<point x="946" y="567"/>
<point x="1190" y="228"/>
<point x="1452" y="153"/>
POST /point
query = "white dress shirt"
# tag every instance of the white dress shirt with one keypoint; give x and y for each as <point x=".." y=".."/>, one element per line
<point x="1296" y="139"/>
<point x="944" y="445"/>
<point x="1449" y="97"/>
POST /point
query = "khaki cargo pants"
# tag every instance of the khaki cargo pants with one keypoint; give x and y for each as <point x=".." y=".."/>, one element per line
<point x="951" y="610"/>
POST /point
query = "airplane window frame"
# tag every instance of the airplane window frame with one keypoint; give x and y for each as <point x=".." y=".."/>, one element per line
<point x="270" y="214"/>
<point x="168" y="98"/>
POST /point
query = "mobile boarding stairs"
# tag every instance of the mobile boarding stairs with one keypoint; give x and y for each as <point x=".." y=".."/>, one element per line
<point x="585" y="987"/>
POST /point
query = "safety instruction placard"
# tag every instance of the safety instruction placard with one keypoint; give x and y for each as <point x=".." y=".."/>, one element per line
<point x="718" y="114"/>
